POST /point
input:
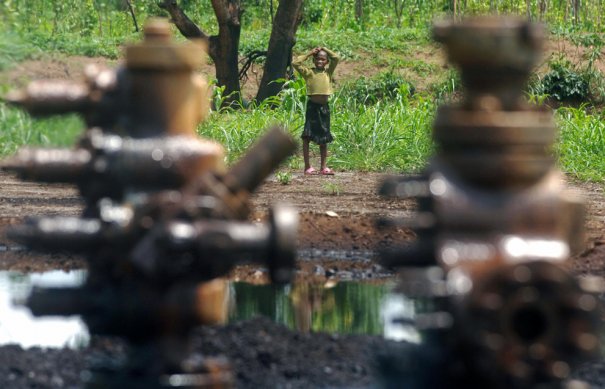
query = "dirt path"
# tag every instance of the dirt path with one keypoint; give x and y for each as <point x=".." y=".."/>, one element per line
<point x="337" y="222"/>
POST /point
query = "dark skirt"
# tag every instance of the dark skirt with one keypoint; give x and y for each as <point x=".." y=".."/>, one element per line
<point x="317" y="123"/>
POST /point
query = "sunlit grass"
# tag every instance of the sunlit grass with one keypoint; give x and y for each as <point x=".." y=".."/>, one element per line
<point x="390" y="136"/>
<point x="14" y="49"/>
<point x="581" y="146"/>
<point x="18" y="129"/>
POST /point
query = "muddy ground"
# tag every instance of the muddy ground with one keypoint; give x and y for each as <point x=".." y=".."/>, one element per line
<point x="338" y="217"/>
<point x="337" y="235"/>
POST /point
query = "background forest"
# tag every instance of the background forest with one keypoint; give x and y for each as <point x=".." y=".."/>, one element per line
<point x="389" y="84"/>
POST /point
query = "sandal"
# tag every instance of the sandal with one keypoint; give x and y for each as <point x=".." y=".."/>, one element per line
<point x="327" y="171"/>
<point x="311" y="171"/>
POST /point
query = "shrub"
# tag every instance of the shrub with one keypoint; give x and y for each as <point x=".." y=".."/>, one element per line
<point x="384" y="86"/>
<point x="564" y="82"/>
<point x="572" y="83"/>
<point x="283" y="178"/>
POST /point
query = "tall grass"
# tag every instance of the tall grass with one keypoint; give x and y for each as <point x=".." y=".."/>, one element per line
<point x="17" y="129"/>
<point x="14" y="49"/>
<point x="390" y="136"/>
<point x="393" y="135"/>
<point x="581" y="146"/>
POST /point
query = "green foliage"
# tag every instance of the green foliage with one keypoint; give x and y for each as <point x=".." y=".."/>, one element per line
<point x="373" y="38"/>
<point x="14" y="49"/>
<point x="332" y="188"/>
<point x="18" y="129"/>
<point x="563" y="82"/>
<point x="283" y="178"/>
<point x="446" y="87"/>
<point x="581" y="145"/>
<point x="378" y="122"/>
<point x="384" y="86"/>
<point x="384" y="136"/>
<point x="568" y="82"/>
<point x="89" y="46"/>
<point x="348" y="307"/>
<point x="255" y="40"/>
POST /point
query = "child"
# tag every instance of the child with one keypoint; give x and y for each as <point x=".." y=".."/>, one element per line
<point x="317" y="117"/>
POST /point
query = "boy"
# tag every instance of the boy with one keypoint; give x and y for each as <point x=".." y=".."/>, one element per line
<point x="317" y="117"/>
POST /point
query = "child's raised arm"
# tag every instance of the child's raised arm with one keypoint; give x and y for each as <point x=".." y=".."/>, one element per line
<point x="334" y="59"/>
<point x="298" y="63"/>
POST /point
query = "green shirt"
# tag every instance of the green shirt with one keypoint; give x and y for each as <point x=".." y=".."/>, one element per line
<point x="319" y="82"/>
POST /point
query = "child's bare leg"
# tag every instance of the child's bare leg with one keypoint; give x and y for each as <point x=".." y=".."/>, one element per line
<point x="323" y="153"/>
<point x="306" y="153"/>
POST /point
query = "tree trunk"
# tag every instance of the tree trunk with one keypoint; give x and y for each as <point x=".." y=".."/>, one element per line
<point x="455" y="9"/>
<point x="543" y="5"/>
<point x="566" y="11"/>
<point x="134" y="18"/>
<point x="398" y="6"/>
<point x="226" y="59"/>
<point x="359" y="10"/>
<point x="222" y="48"/>
<point x="279" y="53"/>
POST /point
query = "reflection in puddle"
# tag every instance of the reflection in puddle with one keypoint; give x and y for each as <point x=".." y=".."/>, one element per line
<point x="345" y="308"/>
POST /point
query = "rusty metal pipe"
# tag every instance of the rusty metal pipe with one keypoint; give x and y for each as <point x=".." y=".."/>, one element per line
<point x="163" y="215"/>
<point x="186" y="250"/>
<point x="250" y="171"/>
<point x="108" y="162"/>
<point x="51" y="97"/>
<point x="59" y="234"/>
<point x="503" y="224"/>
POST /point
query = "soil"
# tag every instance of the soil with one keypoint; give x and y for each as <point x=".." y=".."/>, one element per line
<point x="337" y="234"/>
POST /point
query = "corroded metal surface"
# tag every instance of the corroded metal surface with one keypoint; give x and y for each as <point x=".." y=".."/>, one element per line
<point x="164" y="217"/>
<point x="496" y="224"/>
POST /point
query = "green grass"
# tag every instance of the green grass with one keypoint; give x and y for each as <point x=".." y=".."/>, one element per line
<point x="581" y="146"/>
<point x="17" y="129"/>
<point x="393" y="136"/>
<point x="14" y="49"/>
<point x="388" y="135"/>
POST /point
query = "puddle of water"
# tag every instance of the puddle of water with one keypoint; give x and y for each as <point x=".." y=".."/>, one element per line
<point x="17" y="325"/>
<point x="344" y="308"/>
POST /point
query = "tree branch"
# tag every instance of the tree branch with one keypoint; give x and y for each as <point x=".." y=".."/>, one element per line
<point x="247" y="62"/>
<point x="188" y="28"/>
<point x="134" y="18"/>
<point x="227" y="11"/>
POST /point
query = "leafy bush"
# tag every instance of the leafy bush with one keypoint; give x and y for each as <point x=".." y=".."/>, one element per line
<point x="572" y="83"/>
<point x="283" y="178"/>
<point x="382" y="87"/>
<point x="313" y="13"/>
<point x="564" y="82"/>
